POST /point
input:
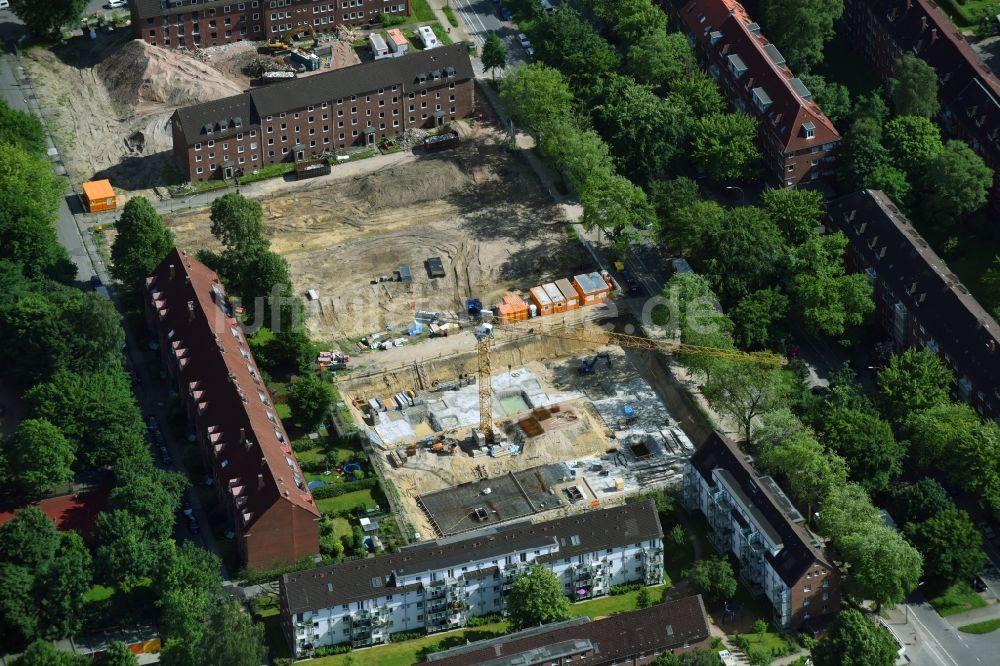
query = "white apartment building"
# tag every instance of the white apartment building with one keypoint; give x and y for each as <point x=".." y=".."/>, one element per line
<point x="437" y="586"/>
<point x="750" y="517"/>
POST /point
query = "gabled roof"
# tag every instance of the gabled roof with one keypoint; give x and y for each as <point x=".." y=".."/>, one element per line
<point x="326" y="587"/>
<point x="921" y="280"/>
<point x="724" y="27"/>
<point x="800" y="549"/>
<point x="412" y="72"/>
<point x="153" y="8"/>
<point x="219" y="373"/>
<point x="661" y="627"/>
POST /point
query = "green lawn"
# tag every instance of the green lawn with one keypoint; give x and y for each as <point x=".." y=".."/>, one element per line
<point x="604" y="606"/>
<point x="347" y="501"/>
<point x="770" y="640"/>
<point x="283" y="411"/>
<point x="966" y="13"/>
<point x="98" y="593"/>
<point x="421" y="11"/>
<point x="341" y="527"/>
<point x="957" y="599"/>
<point x="981" y="627"/>
<point x="441" y="33"/>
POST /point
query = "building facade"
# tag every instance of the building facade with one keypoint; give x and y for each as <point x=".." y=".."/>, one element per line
<point x="322" y="114"/>
<point x="918" y="301"/>
<point x="203" y="23"/>
<point x="634" y="638"/>
<point x="246" y="449"/>
<point x="797" y="141"/>
<point x="969" y="91"/>
<point x="750" y="518"/>
<point x="438" y="585"/>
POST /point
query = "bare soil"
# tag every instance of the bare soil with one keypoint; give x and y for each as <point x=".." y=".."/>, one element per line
<point x="478" y="208"/>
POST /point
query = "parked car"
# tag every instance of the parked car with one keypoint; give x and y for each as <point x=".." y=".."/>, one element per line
<point x="523" y="38"/>
<point x="546" y="6"/>
<point x="116" y="4"/>
<point x="505" y="14"/>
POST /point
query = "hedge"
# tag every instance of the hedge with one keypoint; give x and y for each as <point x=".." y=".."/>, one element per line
<point x="338" y="489"/>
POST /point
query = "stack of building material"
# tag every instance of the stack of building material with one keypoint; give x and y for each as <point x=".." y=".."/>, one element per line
<point x="513" y="308"/>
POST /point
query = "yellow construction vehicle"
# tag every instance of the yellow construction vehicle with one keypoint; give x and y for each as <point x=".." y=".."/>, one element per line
<point x="277" y="45"/>
<point x="485" y="335"/>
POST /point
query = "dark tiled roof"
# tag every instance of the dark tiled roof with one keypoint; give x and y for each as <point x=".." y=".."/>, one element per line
<point x="798" y="552"/>
<point x="738" y="35"/>
<point x="920" y="279"/>
<point x="276" y="98"/>
<point x="329" y="586"/>
<point x="218" y="371"/>
<point x="222" y="115"/>
<point x="667" y="626"/>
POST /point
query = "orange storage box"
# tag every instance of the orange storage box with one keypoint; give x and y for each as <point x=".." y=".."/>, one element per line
<point x="98" y="195"/>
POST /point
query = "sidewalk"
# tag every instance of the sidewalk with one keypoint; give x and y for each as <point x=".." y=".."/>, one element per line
<point x="991" y="612"/>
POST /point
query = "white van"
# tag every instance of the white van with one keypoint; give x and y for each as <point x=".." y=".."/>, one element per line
<point x="546" y="5"/>
<point x="4" y="4"/>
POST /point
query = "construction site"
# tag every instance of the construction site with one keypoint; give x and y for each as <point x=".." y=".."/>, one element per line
<point x="572" y="426"/>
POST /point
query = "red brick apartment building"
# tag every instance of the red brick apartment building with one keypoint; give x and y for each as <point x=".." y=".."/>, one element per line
<point x="194" y="23"/>
<point x="626" y="639"/>
<point x="321" y="114"/>
<point x="798" y="142"/>
<point x="969" y="93"/>
<point x="918" y="301"/>
<point x="257" y="479"/>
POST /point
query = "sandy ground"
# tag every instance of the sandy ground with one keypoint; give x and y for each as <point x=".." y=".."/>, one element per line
<point x="477" y="207"/>
<point x="109" y="101"/>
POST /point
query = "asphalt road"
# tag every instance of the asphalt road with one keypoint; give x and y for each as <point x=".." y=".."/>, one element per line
<point x="481" y="18"/>
<point x="931" y="641"/>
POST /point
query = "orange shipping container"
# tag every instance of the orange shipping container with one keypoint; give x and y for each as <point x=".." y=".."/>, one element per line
<point x="592" y="288"/>
<point x="98" y="195"/>
<point x="513" y="309"/>
<point x="541" y="300"/>
<point x="569" y="294"/>
<point x="558" y="301"/>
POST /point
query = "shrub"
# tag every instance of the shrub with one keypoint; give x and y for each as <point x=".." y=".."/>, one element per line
<point x="327" y="650"/>
<point x="388" y="20"/>
<point x="401" y="636"/>
<point x="338" y="489"/>
<point x="625" y="588"/>
<point x="484" y="619"/>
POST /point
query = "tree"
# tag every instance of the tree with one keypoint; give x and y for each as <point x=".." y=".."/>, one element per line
<point x="148" y="501"/>
<point x="913" y="141"/>
<point x="567" y="41"/>
<point x="700" y="93"/>
<point x="695" y="314"/>
<point x="827" y="299"/>
<point x="616" y="206"/>
<point x="126" y="555"/>
<point x="536" y="597"/>
<point x="690" y="229"/>
<point x="832" y="97"/>
<point x="44" y="653"/>
<point x="310" y="399"/>
<point x="659" y="58"/>
<point x="917" y="501"/>
<point x="577" y="153"/>
<point x="884" y="566"/>
<point x="776" y="426"/>
<point x="38" y="457"/>
<point x="117" y="654"/>
<point x="644" y="131"/>
<point x="914" y="87"/>
<point x="892" y="181"/>
<point x="950" y="543"/>
<point x="46" y="19"/>
<point x="669" y="196"/>
<point x="744" y="390"/>
<point x="866" y="443"/>
<point x="991" y="279"/>
<point x="141" y="242"/>
<point x="745" y="255"/>
<point x="723" y="146"/>
<point x="61" y="587"/>
<point x="713" y="578"/>
<point x="96" y="411"/>
<point x="861" y="156"/>
<point x="30" y="540"/>
<point x="232" y="638"/>
<point x="494" y="54"/>
<point x="846" y="509"/>
<point x="21" y="130"/>
<point x="812" y="472"/>
<point x="535" y="95"/>
<point x="801" y="27"/>
<point x="642" y="599"/>
<point x="913" y="381"/>
<point x="956" y="182"/>
<point x="238" y="223"/>
<point x="18" y="610"/>
<point x="756" y="317"/>
<point x="855" y="640"/>
<point x="798" y="213"/>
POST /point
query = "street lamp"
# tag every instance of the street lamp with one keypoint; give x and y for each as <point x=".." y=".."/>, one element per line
<point x="743" y="199"/>
<point x="907" y="606"/>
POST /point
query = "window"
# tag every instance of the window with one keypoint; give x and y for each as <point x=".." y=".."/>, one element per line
<point x="807" y="588"/>
<point x="199" y="171"/>
<point x="197" y="146"/>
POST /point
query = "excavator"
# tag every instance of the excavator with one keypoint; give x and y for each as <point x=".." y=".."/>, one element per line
<point x="485" y="334"/>
<point x="287" y="41"/>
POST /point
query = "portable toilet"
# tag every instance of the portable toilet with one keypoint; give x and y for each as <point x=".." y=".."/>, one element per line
<point x="98" y="195"/>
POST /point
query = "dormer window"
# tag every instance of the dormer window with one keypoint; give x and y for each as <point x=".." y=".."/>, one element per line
<point x="736" y="65"/>
<point x="715" y="37"/>
<point x="809" y="130"/>
<point x="761" y="99"/>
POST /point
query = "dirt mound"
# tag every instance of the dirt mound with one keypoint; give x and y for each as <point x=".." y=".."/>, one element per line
<point x="147" y="78"/>
<point x="406" y="185"/>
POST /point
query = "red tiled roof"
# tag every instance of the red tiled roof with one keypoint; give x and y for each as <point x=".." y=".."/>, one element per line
<point x="70" y="512"/>
<point x="232" y="402"/>
<point x="740" y="36"/>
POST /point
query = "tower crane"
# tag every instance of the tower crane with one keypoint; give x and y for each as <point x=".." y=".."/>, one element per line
<point x="485" y="335"/>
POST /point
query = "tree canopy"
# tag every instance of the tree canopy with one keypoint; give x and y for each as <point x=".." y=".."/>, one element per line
<point x="885" y="568"/>
<point x="957" y="183"/>
<point x="855" y="640"/>
<point x="723" y="145"/>
<point x="21" y="130"/>
<point x="801" y="28"/>
<point x="950" y="544"/>
<point x="141" y="242"/>
<point x="310" y="398"/>
<point x="535" y="95"/>
<point x="914" y="87"/>
<point x="913" y="381"/>
<point x="37" y="457"/>
<point x="536" y="597"/>
<point x="713" y="578"/>
<point x="494" y="54"/>
<point x="232" y="638"/>
<point x="46" y="19"/>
